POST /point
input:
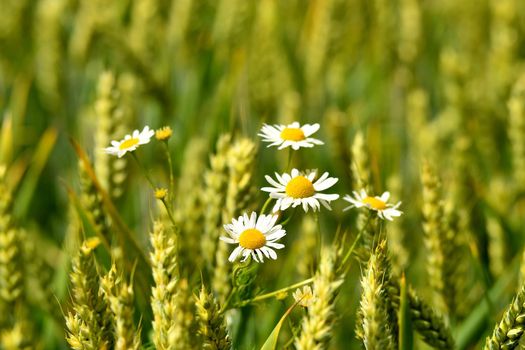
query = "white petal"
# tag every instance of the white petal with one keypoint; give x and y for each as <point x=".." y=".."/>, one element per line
<point x="286" y="178"/>
<point x="384" y="197"/>
<point x="277" y="205"/>
<point x="310" y="129"/>
<point x="233" y="256"/>
<point x="272" y="181"/>
<point x="322" y="178"/>
<point x="326" y="196"/>
<point x="316" y="141"/>
<point x="276" y="235"/>
<point x="253" y="219"/>
<point x="275" y="245"/>
<point x="228" y="240"/>
<point x="325" y="204"/>
<point x="264" y="251"/>
<point x="311" y="176"/>
<point x="321" y="186"/>
<point x="272" y="253"/>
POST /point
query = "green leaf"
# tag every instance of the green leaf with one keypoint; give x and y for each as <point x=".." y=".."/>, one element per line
<point x="476" y="323"/>
<point x="271" y="341"/>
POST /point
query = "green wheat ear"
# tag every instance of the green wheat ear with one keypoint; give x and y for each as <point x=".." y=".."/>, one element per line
<point x="507" y="333"/>
<point x="89" y="322"/>
<point x="374" y="328"/>
<point x="112" y="120"/>
<point x="164" y="263"/>
<point x="212" y="326"/>
<point x="120" y="298"/>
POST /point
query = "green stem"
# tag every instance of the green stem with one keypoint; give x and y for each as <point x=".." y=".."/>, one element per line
<point x="289" y="217"/>
<point x="228" y="300"/>
<point x="265" y="205"/>
<point x="170" y="165"/>
<point x="290" y="156"/>
<point x="274" y="293"/>
<point x="319" y="236"/>
<point x="351" y="250"/>
<point x="168" y="210"/>
<point x="144" y="171"/>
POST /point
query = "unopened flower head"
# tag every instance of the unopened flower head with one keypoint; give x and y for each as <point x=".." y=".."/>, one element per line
<point x="294" y="189"/>
<point x="304" y="296"/>
<point x="161" y="193"/>
<point x="255" y="236"/>
<point x="380" y="204"/>
<point x="130" y="142"/>
<point x="293" y="135"/>
<point x="164" y="133"/>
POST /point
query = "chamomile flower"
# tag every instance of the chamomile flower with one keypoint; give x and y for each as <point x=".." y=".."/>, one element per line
<point x="305" y="297"/>
<point x="294" y="189"/>
<point x="380" y="204"/>
<point x="293" y="135"/>
<point x="255" y="236"/>
<point x="130" y="142"/>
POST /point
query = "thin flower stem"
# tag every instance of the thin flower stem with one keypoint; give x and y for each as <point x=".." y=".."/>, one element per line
<point x="319" y="235"/>
<point x="265" y="205"/>
<point x="144" y="171"/>
<point x="351" y="250"/>
<point x="170" y="165"/>
<point x="289" y="217"/>
<point x="228" y="300"/>
<point x="274" y="293"/>
<point x="290" y="156"/>
<point x="170" y="215"/>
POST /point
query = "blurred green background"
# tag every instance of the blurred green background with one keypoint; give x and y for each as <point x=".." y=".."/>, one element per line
<point x="418" y="78"/>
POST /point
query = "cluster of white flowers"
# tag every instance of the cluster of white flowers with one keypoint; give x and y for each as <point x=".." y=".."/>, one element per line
<point x="257" y="236"/>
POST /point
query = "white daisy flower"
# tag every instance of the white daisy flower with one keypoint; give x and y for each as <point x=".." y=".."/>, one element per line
<point x="130" y="142"/>
<point x="380" y="204"/>
<point x="292" y="190"/>
<point x="293" y="135"/>
<point x="304" y="296"/>
<point x="255" y="236"/>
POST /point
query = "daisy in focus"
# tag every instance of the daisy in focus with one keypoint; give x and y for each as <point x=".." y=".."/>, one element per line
<point x="255" y="236"/>
<point x="130" y="142"/>
<point x="304" y="296"/>
<point x="380" y="204"/>
<point x="294" y="189"/>
<point x="293" y="135"/>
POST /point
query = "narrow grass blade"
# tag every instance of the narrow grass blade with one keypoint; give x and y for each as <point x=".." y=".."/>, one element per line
<point x="271" y="341"/>
<point x="30" y="181"/>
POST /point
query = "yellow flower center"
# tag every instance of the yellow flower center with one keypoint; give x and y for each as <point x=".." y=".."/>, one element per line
<point x="252" y="239"/>
<point x="300" y="187"/>
<point x="128" y="143"/>
<point x="292" y="134"/>
<point x="375" y="203"/>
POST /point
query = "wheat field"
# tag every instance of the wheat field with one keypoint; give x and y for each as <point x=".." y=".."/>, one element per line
<point x="272" y="174"/>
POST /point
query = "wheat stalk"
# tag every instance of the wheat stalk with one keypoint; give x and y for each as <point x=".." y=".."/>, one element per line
<point x="212" y="326"/>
